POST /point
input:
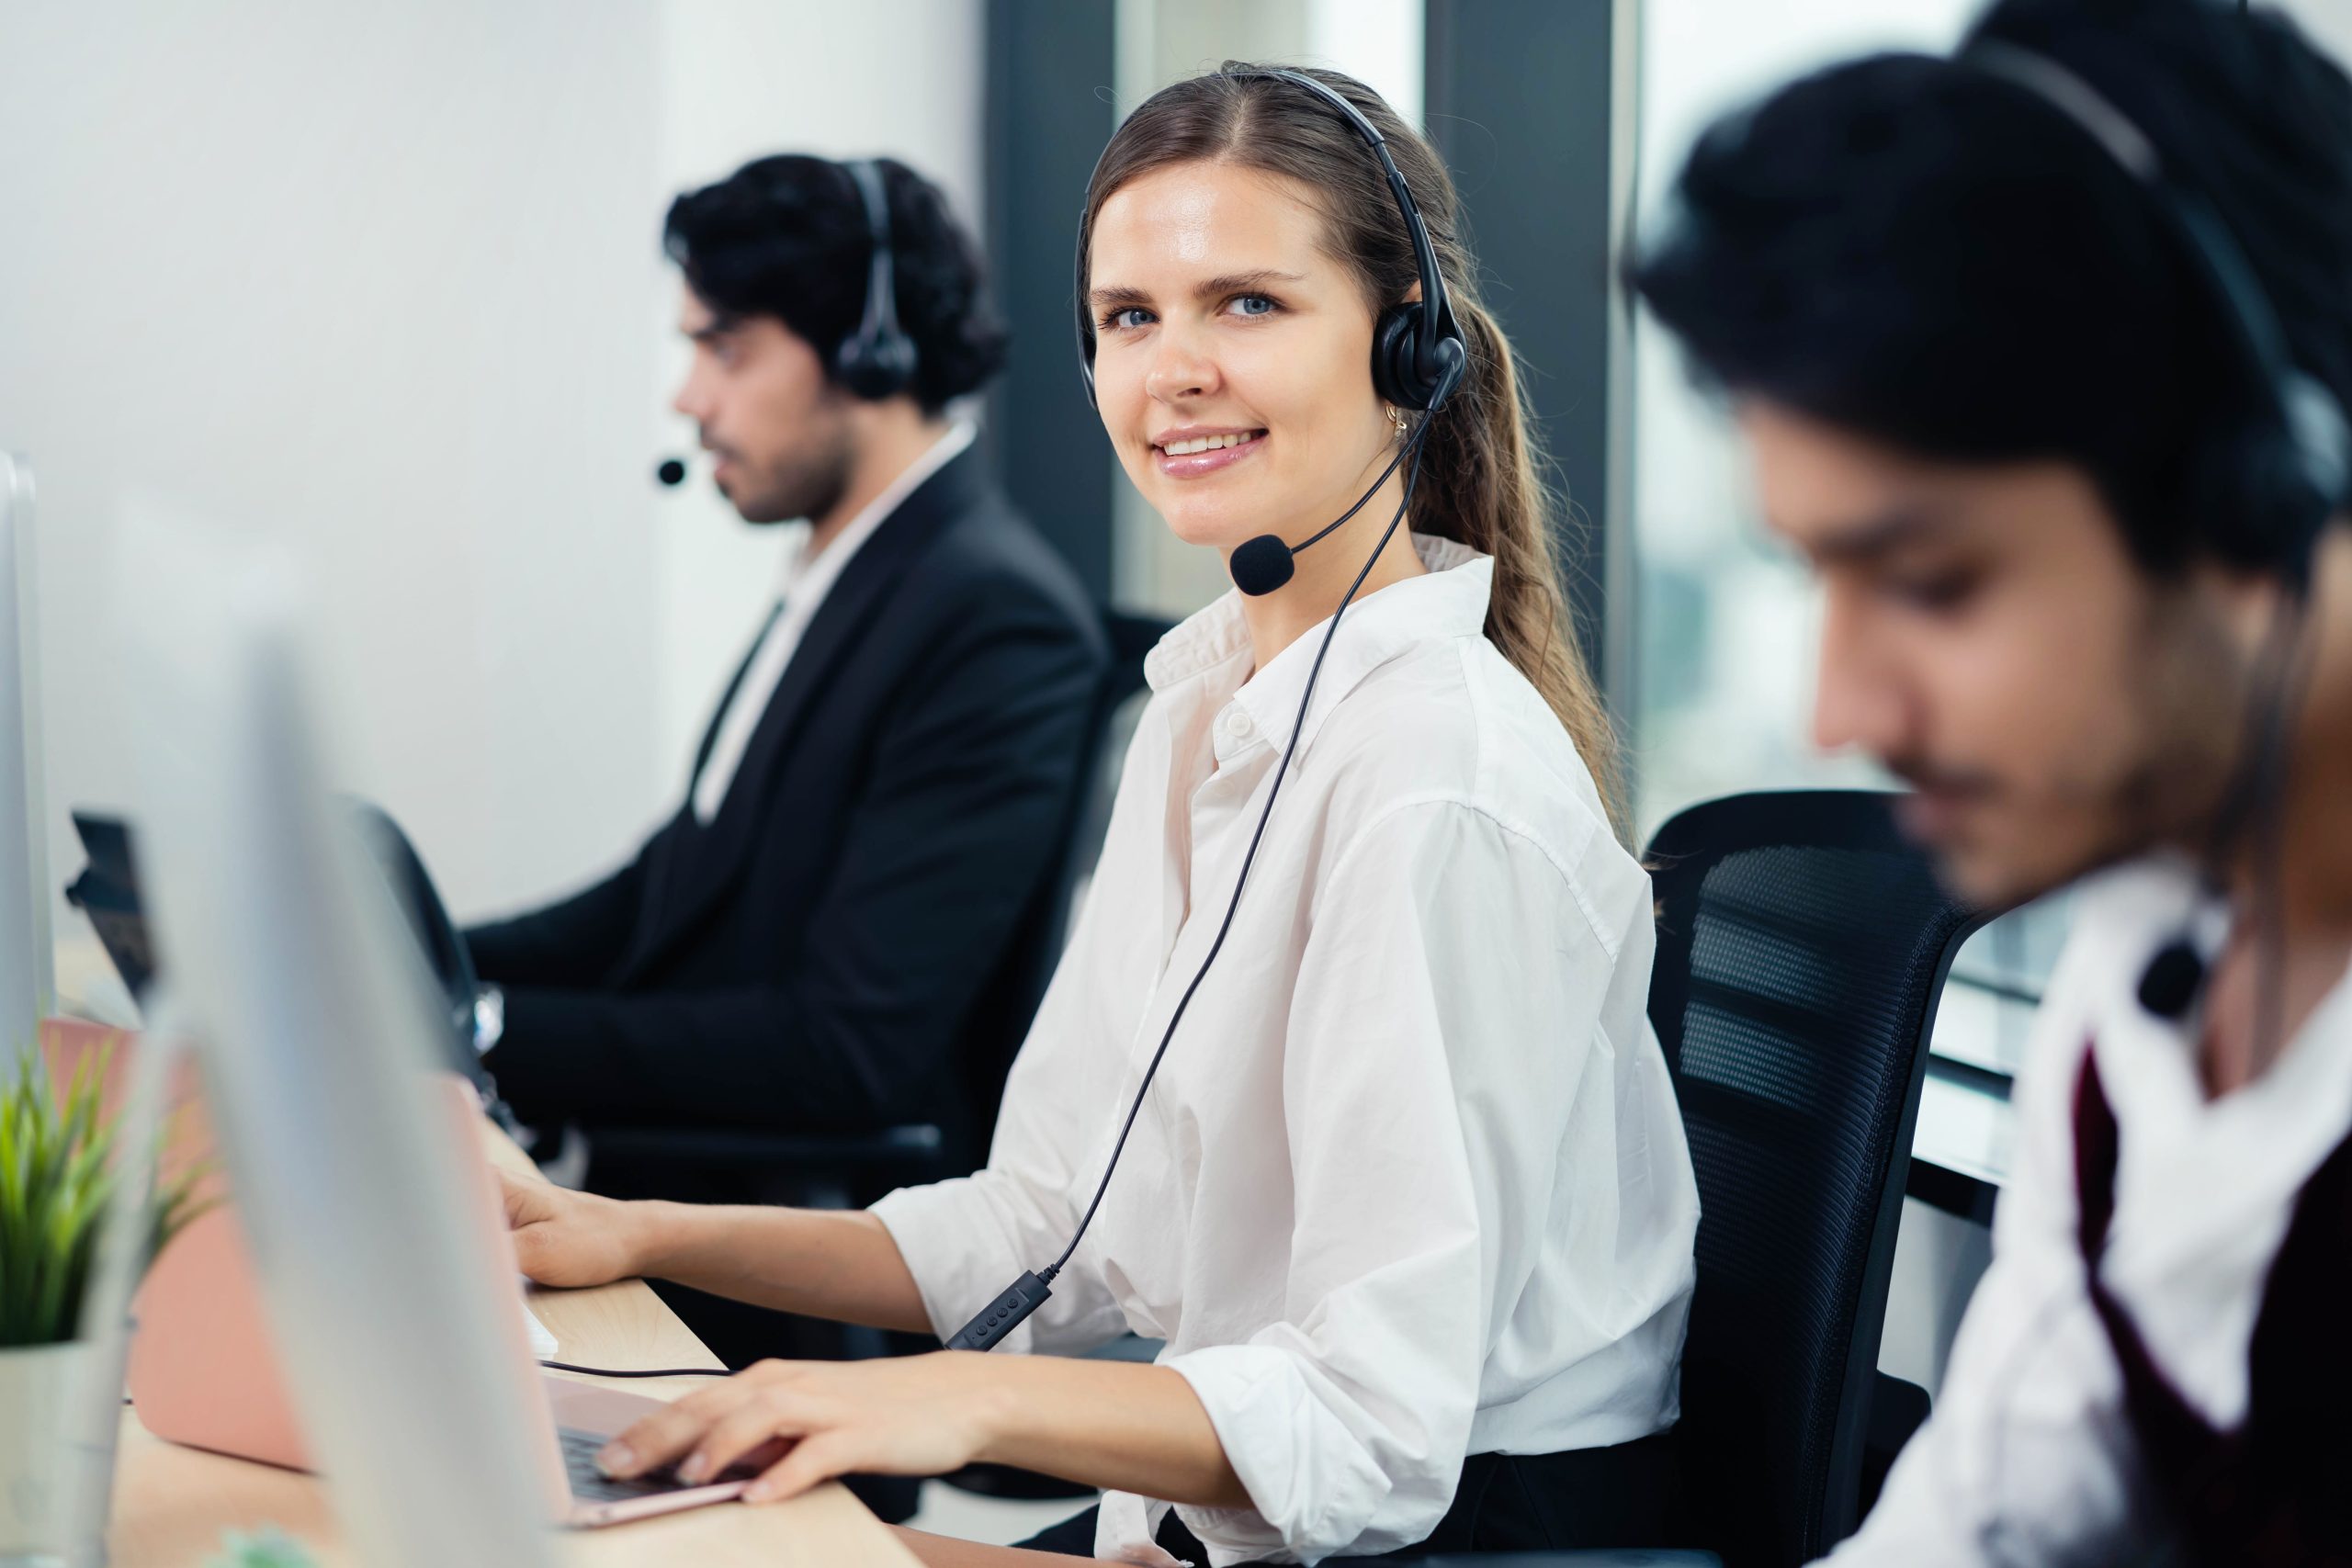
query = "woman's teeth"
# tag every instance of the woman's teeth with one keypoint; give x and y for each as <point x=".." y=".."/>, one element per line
<point x="1209" y="443"/>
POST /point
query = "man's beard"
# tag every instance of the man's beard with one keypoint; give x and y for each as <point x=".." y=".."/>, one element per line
<point x="807" y="483"/>
<point x="2163" y="787"/>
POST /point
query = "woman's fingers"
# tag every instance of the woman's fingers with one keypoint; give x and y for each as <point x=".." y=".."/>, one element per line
<point x="748" y="1402"/>
<point x="766" y="1414"/>
<point x="670" y="1433"/>
<point x="812" y="1459"/>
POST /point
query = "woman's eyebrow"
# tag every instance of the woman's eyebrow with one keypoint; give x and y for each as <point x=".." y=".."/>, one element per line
<point x="1117" y="297"/>
<point x="1121" y="297"/>
<point x="1243" y="282"/>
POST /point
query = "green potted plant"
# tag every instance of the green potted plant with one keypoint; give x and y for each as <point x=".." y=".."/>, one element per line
<point x="57" y="1183"/>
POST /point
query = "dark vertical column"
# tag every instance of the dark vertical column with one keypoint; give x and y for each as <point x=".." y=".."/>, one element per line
<point x="1048" y="113"/>
<point x="1532" y="103"/>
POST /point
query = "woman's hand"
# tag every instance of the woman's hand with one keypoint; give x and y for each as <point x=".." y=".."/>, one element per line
<point x="562" y="1237"/>
<point x="911" y="1416"/>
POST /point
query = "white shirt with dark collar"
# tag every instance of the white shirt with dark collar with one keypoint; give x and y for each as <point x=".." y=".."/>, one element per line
<point x="2030" y="1457"/>
<point x="808" y="578"/>
<point x="1410" y="1184"/>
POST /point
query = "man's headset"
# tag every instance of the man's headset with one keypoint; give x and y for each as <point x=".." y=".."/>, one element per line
<point x="1417" y="359"/>
<point x="2279" y="472"/>
<point x="1418" y="353"/>
<point x="878" y="360"/>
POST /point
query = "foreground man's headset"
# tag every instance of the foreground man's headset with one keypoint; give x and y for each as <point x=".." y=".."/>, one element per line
<point x="877" y="360"/>
<point x="1417" y="359"/>
<point x="2279" y="472"/>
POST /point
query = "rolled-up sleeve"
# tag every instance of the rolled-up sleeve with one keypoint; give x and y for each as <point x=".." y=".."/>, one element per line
<point x="1446" y="1010"/>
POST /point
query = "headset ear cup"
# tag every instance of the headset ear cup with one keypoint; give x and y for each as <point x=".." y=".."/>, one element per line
<point x="1396" y="376"/>
<point x="2248" y="500"/>
<point x="878" y="369"/>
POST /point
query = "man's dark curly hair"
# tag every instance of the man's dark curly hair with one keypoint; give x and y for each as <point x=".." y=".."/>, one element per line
<point x="1916" y="250"/>
<point x="786" y="237"/>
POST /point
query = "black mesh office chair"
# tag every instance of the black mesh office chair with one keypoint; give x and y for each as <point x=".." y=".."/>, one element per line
<point x="1802" y="944"/>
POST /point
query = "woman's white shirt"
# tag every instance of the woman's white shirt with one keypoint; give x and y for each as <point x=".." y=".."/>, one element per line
<point x="2028" y="1456"/>
<point x="1411" y="1183"/>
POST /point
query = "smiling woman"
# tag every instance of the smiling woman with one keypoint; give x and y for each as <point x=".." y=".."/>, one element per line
<point x="1411" y="1206"/>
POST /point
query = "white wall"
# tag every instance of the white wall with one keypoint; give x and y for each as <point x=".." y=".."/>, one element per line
<point x="383" y="284"/>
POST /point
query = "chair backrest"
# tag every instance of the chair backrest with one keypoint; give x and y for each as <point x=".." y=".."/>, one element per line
<point x="1802" y="947"/>
<point x="1019" y="984"/>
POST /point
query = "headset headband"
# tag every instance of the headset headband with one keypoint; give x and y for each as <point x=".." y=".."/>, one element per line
<point x="1437" y="315"/>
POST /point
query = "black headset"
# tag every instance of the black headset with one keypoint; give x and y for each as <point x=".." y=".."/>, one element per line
<point x="877" y="361"/>
<point x="2283" y="470"/>
<point x="1417" y="354"/>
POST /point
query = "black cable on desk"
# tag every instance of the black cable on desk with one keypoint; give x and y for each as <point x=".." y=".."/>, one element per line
<point x="643" y="1372"/>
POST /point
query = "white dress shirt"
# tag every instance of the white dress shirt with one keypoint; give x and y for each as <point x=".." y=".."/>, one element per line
<point x="1411" y="1183"/>
<point x="808" y="578"/>
<point x="2029" y="1458"/>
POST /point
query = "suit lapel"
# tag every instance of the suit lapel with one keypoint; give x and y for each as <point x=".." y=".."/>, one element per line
<point x="861" y="594"/>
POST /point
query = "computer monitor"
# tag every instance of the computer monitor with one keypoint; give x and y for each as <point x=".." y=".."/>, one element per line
<point x="318" y="1038"/>
<point x="27" y="984"/>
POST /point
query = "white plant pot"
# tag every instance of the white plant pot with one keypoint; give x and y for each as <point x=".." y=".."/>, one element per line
<point x="45" y="1513"/>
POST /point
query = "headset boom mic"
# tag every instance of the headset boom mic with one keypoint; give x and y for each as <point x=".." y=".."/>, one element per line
<point x="671" y="471"/>
<point x="2169" y="985"/>
<point x="1260" y="565"/>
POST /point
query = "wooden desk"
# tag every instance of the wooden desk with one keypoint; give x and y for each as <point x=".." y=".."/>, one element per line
<point x="172" y="1505"/>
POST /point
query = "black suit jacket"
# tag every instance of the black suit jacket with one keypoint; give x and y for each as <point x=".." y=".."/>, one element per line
<point x="834" y="945"/>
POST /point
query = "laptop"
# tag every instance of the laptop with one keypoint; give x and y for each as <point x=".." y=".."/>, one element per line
<point x="108" y="893"/>
<point x="355" y="1308"/>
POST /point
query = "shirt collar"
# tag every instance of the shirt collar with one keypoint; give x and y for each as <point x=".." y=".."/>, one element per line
<point x="1449" y="601"/>
<point x="810" y="576"/>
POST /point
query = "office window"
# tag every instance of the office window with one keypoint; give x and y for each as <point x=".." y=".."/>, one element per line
<point x="1726" y="619"/>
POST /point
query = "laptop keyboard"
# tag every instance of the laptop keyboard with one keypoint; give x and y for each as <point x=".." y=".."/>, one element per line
<point x="593" y="1485"/>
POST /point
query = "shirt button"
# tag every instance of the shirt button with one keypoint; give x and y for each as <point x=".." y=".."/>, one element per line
<point x="1236" y="724"/>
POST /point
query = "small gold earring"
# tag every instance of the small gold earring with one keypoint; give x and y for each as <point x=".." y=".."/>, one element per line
<point x="1397" y="418"/>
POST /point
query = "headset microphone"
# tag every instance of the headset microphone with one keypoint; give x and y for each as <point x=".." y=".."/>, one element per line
<point x="671" y="471"/>
<point x="1260" y="565"/>
<point x="2170" y="984"/>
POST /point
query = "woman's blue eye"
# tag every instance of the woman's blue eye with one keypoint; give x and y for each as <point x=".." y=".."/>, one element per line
<point x="1254" y="305"/>
<point x="1118" y="318"/>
